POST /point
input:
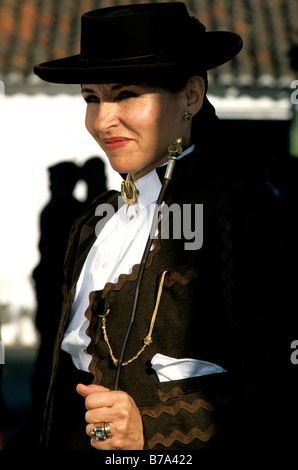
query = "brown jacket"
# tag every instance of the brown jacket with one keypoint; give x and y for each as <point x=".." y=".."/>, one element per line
<point x="230" y="303"/>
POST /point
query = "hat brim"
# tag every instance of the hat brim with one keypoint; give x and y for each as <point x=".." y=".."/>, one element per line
<point x="218" y="48"/>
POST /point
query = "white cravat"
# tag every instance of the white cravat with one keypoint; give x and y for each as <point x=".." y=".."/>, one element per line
<point x="118" y="247"/>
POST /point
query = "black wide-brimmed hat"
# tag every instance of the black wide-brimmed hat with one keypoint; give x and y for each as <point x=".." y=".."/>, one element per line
<point x="141" y="42"/>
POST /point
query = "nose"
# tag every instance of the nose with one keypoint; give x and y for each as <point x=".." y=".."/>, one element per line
<point x="105" y="116"/>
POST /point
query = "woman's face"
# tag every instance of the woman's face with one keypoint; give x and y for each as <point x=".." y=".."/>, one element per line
<point x="135" y="124"/>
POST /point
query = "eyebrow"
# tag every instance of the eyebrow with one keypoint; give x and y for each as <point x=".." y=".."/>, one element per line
<point x="86" y="90"/>
<point x="117" y="86"/>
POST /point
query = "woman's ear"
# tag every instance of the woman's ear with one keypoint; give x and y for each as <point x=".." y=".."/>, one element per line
<point x="195" y="92"/>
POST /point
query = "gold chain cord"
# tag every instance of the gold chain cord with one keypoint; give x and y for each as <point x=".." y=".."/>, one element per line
<point x="148" y="339"/>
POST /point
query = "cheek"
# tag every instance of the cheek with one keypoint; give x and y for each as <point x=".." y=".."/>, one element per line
<point x="156" y="129"/>
<point x="88" y="122"/>
<point x="152" y="123"/>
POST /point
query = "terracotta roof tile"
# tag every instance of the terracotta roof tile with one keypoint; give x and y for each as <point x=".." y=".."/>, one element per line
<point x="32" y="31"/>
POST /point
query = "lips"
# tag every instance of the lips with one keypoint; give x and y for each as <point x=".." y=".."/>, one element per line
<point x="114" y="143"/>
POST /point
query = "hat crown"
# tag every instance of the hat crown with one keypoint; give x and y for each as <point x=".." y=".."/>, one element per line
<point x="136" y="32"/>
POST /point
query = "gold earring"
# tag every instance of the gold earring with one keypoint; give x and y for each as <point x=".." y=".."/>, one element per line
<point x="186" y="116"/>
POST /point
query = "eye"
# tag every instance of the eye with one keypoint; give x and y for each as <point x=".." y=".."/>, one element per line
<point x="91" y="99"/>
<point x="126" y="94"/>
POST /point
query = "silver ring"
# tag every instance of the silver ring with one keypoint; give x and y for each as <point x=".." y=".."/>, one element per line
<point x="107" y="430"/>
<point x="101" y="431"/>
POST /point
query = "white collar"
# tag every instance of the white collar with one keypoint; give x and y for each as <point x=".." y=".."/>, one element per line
<point x="183" y="154"/>
<point x="148" y="187"/>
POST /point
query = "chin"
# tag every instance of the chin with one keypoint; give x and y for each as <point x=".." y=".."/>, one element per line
<point x="121" y="166"/>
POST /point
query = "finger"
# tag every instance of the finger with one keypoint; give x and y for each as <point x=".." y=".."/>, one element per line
<point x="99" y="414"/>
<point x="85" y="390"/>
<point x="90" y="429"/>
<point x="99" y="400"/>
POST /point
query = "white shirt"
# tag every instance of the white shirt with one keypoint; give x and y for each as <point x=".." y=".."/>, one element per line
<point x="118" y="247"/>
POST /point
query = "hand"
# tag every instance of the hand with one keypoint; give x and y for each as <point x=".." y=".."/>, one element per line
<point x="119" y="410"/>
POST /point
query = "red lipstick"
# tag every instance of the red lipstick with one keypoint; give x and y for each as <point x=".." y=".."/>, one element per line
<point x="114" y="143"/>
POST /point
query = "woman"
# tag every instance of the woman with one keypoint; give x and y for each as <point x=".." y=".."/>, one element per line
<point x="201" y="356"/>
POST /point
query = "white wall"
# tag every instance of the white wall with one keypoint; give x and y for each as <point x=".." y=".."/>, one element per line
<point x="35" y="132"/>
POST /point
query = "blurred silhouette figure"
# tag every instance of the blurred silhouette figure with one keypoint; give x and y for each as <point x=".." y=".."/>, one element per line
<point x="93" y="173"/>
<point x="56" y="220"/>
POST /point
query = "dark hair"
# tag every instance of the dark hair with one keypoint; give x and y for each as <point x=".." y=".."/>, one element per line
<point x="176" y="83"/>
